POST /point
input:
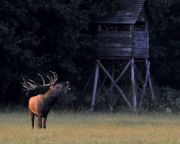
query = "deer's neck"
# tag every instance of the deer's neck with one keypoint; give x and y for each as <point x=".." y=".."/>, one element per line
<point x="48" y="100"/>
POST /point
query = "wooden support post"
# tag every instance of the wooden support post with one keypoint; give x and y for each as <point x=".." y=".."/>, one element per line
<point x="95" y="87"/>
<point x="99" y="27"/>
<point x="134" y="96"/>
<point x="84" y="91"/>
<point x="152" y="91"/>
<point x="111" y="95"/>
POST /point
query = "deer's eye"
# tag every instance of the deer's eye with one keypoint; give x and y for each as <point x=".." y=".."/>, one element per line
<point x="59" y="85"/>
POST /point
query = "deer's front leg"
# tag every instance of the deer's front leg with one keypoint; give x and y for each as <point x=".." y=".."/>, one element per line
<point x="39" y="121"/>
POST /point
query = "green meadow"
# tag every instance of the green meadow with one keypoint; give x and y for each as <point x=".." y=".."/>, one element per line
<point x="91" y="128"/>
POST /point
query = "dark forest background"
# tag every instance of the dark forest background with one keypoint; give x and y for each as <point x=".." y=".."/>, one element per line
<point x="37" y="36"/>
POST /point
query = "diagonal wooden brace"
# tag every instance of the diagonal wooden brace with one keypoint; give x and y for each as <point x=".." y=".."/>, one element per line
<point x="115" y="84"/>
<point x="119" y="77"/>
<point x="145" y="83"/>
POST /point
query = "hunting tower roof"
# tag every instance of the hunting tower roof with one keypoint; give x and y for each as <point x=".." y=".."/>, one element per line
<point x="127" y="12"/>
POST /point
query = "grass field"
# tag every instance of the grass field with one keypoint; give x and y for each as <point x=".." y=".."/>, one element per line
<point x="82" y="128"/>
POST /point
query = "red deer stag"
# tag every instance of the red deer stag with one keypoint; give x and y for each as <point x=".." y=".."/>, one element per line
<point x="41" y="104"/>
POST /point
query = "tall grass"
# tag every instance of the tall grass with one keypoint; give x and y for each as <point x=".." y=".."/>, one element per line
<point x="82" y="128"/>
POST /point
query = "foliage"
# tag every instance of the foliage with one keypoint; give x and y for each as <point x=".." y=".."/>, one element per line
<point x="169" y="99"/>
<point x="37" y="36"/>
<point x="164" y="41"/>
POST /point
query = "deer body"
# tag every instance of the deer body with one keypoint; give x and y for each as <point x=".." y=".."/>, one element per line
<point x="41" y="104"/>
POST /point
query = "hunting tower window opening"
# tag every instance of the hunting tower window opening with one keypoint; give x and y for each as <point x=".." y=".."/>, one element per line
<point x="113" y="27"/>
<point x="140" y="26"/>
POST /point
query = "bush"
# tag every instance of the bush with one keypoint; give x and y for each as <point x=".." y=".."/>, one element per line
<point x="169" y="99"/>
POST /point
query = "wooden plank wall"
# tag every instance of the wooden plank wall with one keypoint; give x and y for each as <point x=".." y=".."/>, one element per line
<point x="114" y="43"/>
<point x="141" y="44"/>
<point x="123" y="44"/>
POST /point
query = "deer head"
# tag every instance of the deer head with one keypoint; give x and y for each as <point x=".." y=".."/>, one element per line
<point x="63" y="87"/>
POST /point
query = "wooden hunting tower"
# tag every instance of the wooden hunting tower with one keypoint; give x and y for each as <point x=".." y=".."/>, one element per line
<point x="123" y="37"/>
<point x="124" y="33"/>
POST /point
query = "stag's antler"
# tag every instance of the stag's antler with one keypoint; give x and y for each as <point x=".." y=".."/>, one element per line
<point x="53" y="79"/>
<point x="32" y="85"/>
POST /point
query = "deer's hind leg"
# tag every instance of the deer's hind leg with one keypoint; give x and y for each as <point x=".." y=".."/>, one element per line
<point x="44" y="122"/>
<point x="32" y="119"/>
